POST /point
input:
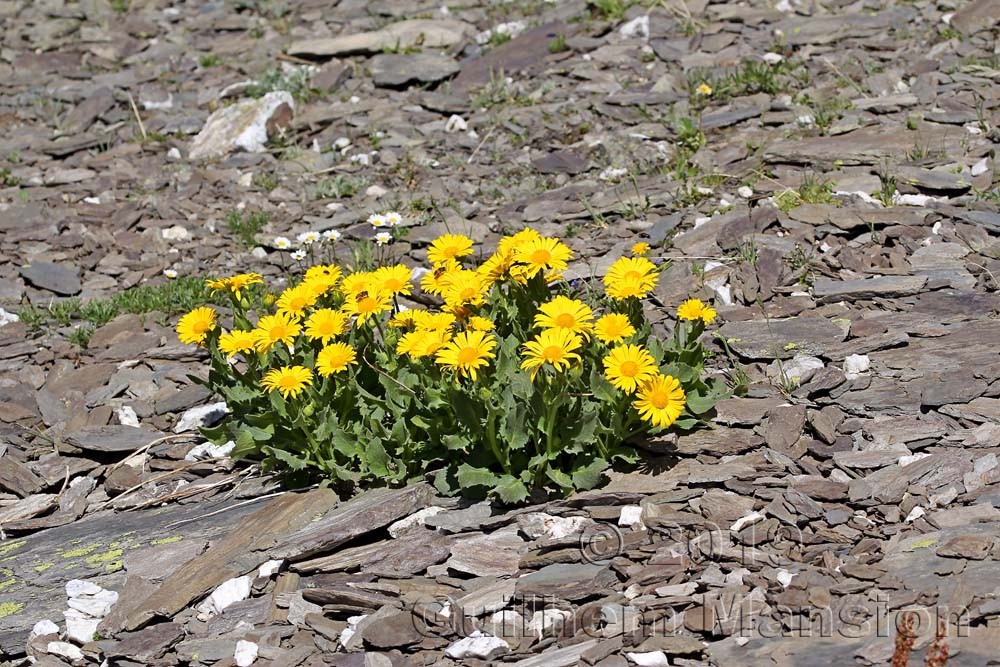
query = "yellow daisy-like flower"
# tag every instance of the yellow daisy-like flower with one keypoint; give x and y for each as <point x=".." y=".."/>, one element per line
<point x="365" y="305"/>
<point x="274" y="329"/>
<point x="613" y="328"/>
<point x="237" y="340"/>
<point x="660" y="400"/>
<point x="497" y="265"/>
<point x="295" y="300"/>
<point x="325" y="324"/>
<point x="478" y="323"/>
<point x="465" y="288"/>
<point x="235" y="284"/>
<point x="353" y="283"/>
<point x="194" y="327"/>
<point x="628" y="366"/>
<point x="423" y="342"/>
<point x="703" y="89"/>
<point x="324" y="271"/>
<point x="393" y="279"/>
<point x="434" y="282"/>
<point x="542" y="255"/>
<point x="640" y="249"/>
<point x="565" y="313"/>
<point x="630" y="277"/>
<point x="424" y="319"/>
<point x="289" y="380"/>
<point x="335" y="358"/>
<point x="695" y="309"/>
<point x="447" y="248"/>
<point x="552" y="346"/>
<point x="467" y="352"/>
<point x="403" y="319"/>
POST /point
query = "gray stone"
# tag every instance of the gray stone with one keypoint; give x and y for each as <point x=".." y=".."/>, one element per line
<point x="244" y="126"/>
<point x="826" y="290"/>
<point x="396" y="69"/>
<point x="57" y="278"/>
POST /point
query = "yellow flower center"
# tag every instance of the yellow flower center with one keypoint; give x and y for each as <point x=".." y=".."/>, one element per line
<point x="202" y="327"/>
<point x="467" y="294"/>
<point x="277" y="332"/>
<point x="367" y="305"/>
<point x="288" y="382"/>
<point x="659" y="399"/>
<point x="629" y="368"/>
<point x="392" y="285"/>
<point x="553" y="353"/>
<point x="632" y="276"/>
<point x="467" y="355"/>
<point x="541" y="256"/>
<point x="565" y="320"/>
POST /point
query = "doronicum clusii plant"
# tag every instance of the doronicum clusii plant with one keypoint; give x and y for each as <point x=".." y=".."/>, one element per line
<point x="512" y="383"/>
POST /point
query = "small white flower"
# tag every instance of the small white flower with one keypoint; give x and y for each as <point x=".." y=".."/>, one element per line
<point x="392" y="218"/>
<point x="282" y="243"/>
<point x="170" y="273"/>
<point x="331" y="235"/>
<point x="383" y="237"/>
<point x="299" y="255"/>
<point x="376" y="220"/>
<point x="308" y="238"/>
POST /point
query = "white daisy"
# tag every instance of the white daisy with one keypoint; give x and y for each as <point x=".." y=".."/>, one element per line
<point x="383" y="237"/>
<point x="376" y="220"/>
<point x="299" y="255"/>
<point x="282" y="243"/>
<point x="170" y="273"/>
<point x="308" y="238"/>
<point x="393" y="218"/>
<point x="331" y="235"/>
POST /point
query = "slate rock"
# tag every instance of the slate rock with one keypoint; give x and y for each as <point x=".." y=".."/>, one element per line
<point x="244" y="126"/>
<point x="826" y="290"/>
<point x="573" y="581"/>
<point x="112" y="438"/>
<point x="58" y="278"/>
<point x="392" y="70"/>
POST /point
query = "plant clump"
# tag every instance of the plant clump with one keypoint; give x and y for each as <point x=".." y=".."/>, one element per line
<point x="514" y="381"/>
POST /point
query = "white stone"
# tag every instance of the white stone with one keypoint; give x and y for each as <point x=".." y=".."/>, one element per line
<point x="44" y="627"/>
<point x="512" y="28"/>
<point x="798" y="370"/>
<point x="907" y="459"/>
<point x="8" y="318"/>
<point x="173" y="154"/>
<point x="352" y="627"/>
<point x="245" y="180"/>
<point x="245" y="654"/>
<point x="649" y="659"/>
<point x="341" y="143"/>
<point x="477" y="645"/>
<point x="127" y="417"/>
<point x="631" y="516"/>
<point x="784" y="578"/>
<point x="981" y="167"/>
<point x="375" y="191"/>
<point x="270" y="568"/>
<point x="637" y="27"/>
<point x="230" y="591"/>
<point x="201" y="415"/>
<point x="677" y="590"/>
<point x="856" y="364"/>
<point x="456" y="123"/>
<point x="65" y="650"/>
<point x="97" y="605"/>
<point x="258" y="253"/>
<point x="241" y="126"/>
<point x="746" y="520"/>
<point x="612" y="174"/>
<point x="772" y="58"/>
<point x="415" y="519"/>
<point x="915" y="514"/>
<point x="548" y="622"/>
<point x="745" y="191"/>
<point x="540" y="524"/>
<point x="77" y="587"/>
<point x="208" y="450"/>
<point x="175" y="233"/>
<point x="80" y="627"/>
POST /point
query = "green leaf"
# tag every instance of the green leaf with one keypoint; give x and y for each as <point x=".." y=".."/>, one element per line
<point x="453" y="441"/>
<point x="468" y="477"/>
<point x="511" y="490"/>
<point x="378" y="460"/>
<point x="290" y="460"/>
<point x="240" y="393"/>
<point x="590" y="475"/>
<point x="559" y="477"/>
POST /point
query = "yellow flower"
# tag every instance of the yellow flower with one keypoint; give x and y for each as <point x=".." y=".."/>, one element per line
<point x="660" y="400"/>
<point x="565" y="313"/>
<point x="237" y="340"/>
<point x="335" y="358"/>
<point x="393" y="279"/>
<point x="630" y="277"/>
<point x="423" y="342"/>
<point x="324" y="271"/>
<point x="628" y="366"/>
<point x="235" y="284"/>
<point x="448" y="247"/>
<point x="434" y="282"/>
<point x="289" y="380"/>
<point x="424" y="319"/>
<point x="403" y="319"/>
<point x="365" y="305"/>
<point x="295" y="300"/>
<point x="552" y="346"/>
<point x="613" y="328"/>
<point x="542" y="254"/>
<point x="703" y="89"/>
<point x="478" y="323"/>
<point x="640" y="249"/>
<point x="354" y="283"/>
<point x="325" y="324"/>
<point x="463" y="288"/>
<point x="194" y="327"/>
<point x="467" y="352"/>
<point x="274" y="329"/>
<point x="694" y="309"/>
